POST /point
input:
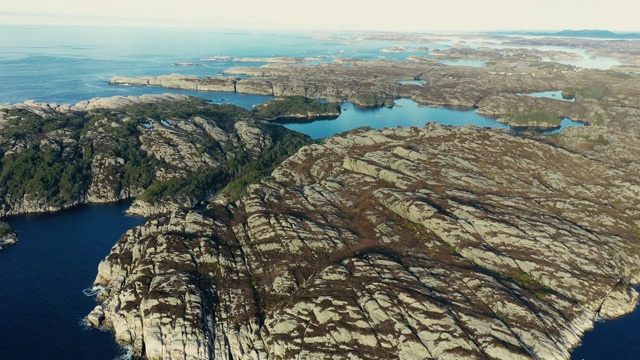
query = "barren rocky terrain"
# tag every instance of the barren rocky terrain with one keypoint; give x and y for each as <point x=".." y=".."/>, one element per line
<point x="402" y="243"/>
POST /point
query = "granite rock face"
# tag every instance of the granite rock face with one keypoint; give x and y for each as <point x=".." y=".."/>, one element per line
<point x="409" y="243"/>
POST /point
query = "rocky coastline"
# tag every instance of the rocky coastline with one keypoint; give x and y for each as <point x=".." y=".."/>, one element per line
<point x="7" y="235"/>
<point x="376" y="226"/>
<point x="604" y="97"/>
<point x="402" y="243"/>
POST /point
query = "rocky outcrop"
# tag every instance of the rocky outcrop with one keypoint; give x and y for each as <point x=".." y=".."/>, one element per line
<point x="176" y="81"/>
<point x="7" y="235"/>
<point x="507" y="56"/>
<point x="402" y="243"/>
<point x="279" y="59"/>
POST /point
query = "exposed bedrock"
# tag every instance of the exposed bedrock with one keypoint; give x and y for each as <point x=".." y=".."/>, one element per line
<point x="406" y="243"/>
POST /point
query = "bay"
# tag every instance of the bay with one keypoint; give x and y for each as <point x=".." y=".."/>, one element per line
<point x="42" y="278"/>
<point x="611" y="339"/>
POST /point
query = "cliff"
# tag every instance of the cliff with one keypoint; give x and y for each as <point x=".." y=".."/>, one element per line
<point x="403" y="243"/>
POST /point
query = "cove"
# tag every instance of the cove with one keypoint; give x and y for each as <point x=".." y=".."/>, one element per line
<point x="42" y="277"/>
<point x="406" y="113"/>
<point x="611" y="339"/>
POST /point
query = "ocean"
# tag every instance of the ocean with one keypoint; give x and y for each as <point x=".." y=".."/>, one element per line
<point x="42" y="304"/>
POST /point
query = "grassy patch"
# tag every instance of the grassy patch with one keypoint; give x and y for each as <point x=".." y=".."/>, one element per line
<point x="5" y="228"/>
<point x="600" y="140"/>
<point x="596" y="93"/>
<point x="295" y="107"/>
<point x="535" y="117"/>
<point x="619" y="75"/>
<point x="598" y="119"/>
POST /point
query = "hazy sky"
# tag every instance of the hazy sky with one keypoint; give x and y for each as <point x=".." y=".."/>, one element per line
<point x="395" y="15"/>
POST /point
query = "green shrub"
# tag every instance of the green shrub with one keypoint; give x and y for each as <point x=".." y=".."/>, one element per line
<point x="237" y="188"/>
<point x="294" y="106"/>
<point x="537" y="116"/>
<point x="596" y="93"/>
<point x="5" y="228"/>
<point x="196" y="187"/>
<point x="42" y="173"/>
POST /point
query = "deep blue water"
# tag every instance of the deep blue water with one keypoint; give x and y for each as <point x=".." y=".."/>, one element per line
<point x="42" y="278"/>
<point x="612" y="339"/>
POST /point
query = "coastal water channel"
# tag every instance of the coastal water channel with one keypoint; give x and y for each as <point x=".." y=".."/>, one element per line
<point x="42" y="278"/>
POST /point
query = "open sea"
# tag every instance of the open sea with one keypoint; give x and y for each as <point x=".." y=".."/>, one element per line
<point x="42" y="278"/>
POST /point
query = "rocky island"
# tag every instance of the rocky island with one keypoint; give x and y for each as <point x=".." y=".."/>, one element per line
<point x="296" y="108"/>
<point x="602" y="97"/>
<point x="7" y="235"/>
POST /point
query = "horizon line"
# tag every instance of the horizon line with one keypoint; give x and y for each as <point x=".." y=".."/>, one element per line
<point x="224" y="28"/>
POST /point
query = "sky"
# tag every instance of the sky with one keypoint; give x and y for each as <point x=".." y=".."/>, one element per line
<point x="395" y="15"/>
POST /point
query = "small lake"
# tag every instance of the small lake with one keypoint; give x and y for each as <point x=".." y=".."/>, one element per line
<point x="42" y="277"/>
<point x="555" y="95"/>
<point x="406" y="113"/>
<point x="464" y="62"/>
<point x="412" y="82"/>
<point x="566" y="122"/>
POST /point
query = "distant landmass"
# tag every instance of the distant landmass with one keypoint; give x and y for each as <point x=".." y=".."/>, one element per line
<point x="606" y="34"/>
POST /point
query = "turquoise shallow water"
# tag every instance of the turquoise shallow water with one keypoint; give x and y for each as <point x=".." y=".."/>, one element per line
<point x="42" y="278"/>
<point x="405" y="113"/>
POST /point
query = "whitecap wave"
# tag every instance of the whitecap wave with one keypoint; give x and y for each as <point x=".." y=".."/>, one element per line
<point x="127" y="354"/>
<point x="93" y="291"/>
<point x="84" y="324"/>
<point x="109" y="88"/>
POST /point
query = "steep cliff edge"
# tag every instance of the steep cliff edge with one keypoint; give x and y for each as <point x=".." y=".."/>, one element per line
<point x="405" y="243"/>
